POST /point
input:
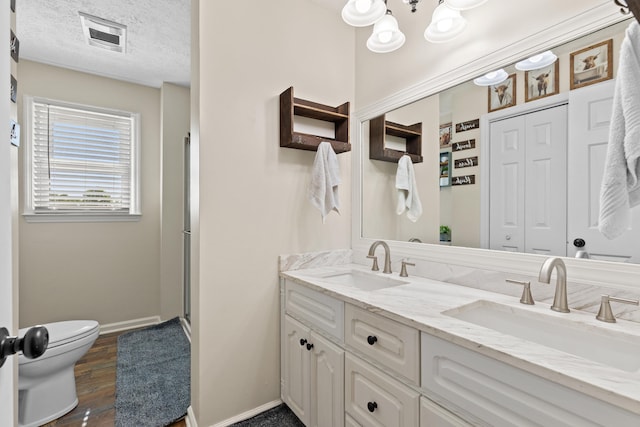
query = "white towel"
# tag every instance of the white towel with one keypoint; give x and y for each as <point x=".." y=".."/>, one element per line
<point x="408" y="199"/>
<point x="620" y="188"/>
<point x="325" y="178"/>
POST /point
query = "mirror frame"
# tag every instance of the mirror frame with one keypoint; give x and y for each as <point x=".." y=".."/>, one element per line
<point x="591" y="272"/>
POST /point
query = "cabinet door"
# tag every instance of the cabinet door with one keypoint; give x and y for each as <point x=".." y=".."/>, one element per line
<point x="296" y="369"/>
<point x="327" y="383"/>
<point x="434" y="415"/>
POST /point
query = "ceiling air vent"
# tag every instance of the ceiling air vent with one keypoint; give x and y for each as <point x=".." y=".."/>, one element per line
<point x="103" y="33"/>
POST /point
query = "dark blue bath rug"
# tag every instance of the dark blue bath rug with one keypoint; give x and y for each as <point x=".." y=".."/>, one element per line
<point x="153" y="376"/>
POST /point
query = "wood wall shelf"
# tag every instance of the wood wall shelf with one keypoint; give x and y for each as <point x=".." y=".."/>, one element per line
<point x="290" y="107"/>
<point x="379" y="128"/>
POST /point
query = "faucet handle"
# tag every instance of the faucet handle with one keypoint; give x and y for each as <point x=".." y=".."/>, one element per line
<point x="526" y="297"/>
<point x="374" y="267"/>
<point x="403" y="269"/>
<point x="605" y="314"/>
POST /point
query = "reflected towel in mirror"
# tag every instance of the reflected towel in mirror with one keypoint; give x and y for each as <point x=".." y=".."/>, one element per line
<point x="325" y="178"/>
<point x="408" y="198"/>
<point x="620" y="188"/>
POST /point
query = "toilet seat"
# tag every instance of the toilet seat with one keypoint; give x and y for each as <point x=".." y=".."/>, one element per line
<point x="61" y="333"/>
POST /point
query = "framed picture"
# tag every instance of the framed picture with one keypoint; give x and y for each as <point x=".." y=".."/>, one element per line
<point x="445" y="135"/>
<point x="503" y="95"/>
<point x="15" y="47"/>
<point x="542" y="82"/>
<point x="592" y="64"/>
<point x="15" y="133"/>
<point x="14" y="89"/>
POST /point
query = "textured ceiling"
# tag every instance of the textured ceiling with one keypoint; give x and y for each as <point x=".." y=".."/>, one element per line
<point x="158" y="45"/>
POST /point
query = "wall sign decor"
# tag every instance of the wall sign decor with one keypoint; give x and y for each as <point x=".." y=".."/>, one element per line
<point x="464" y="126"/>
<point x="14" y="89"/>
<point x="463" y="145"/>
<point x="502" y="95"/>
<point x="13" y="5"/>
<point x="15" y="47"/>
<point x="445" y="135"/>
<point x="466" y="162"/>
<point x="463" y="180"/>
<point x="15" y="133"/>
<point x="543" y="82"/>
<point x="592" y="64"/>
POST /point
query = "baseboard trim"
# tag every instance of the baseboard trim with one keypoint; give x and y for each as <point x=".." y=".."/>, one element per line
<point x="251" y="413"/>
<point x="129" y="324"/>
<point x="190" y="419"/>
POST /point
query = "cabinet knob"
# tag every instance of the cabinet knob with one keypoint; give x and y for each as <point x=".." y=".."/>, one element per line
<point x="303" y="341"/>
<point x="309" y="346"/>
<point x="579" y="243"/>
<point x="372" y="339"/>
<point x="371" y="406"/>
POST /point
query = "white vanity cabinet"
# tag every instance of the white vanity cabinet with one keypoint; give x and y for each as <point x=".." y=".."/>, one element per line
<point x="501" y="395"/>
<point x="434" y="415"/>
<point x="312" y="365"/>
<point x="313" y="376"/>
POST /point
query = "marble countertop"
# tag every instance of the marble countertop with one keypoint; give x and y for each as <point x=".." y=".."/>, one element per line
<point x="420" y="303"/>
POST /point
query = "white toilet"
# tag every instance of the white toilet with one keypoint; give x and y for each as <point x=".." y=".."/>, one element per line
<point x="47" y="385"/>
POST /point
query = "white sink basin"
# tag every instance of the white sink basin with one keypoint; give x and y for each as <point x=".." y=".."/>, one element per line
<point x="362" y="280"/>
<point x="611" y="348"/>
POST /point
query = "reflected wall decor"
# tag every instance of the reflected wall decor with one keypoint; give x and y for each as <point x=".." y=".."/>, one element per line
<point x="592" y="64"/>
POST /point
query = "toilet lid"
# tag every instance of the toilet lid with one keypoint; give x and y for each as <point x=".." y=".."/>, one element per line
<point x="68" y="331"/>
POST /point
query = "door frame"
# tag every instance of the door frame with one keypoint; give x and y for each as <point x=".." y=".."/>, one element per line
<point x="485" y="151"/>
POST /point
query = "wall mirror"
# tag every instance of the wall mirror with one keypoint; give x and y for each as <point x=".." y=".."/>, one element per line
<point x="455" y="179"/>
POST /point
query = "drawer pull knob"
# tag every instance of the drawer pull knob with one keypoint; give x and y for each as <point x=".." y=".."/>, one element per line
<point x="303" y="341"/>
<point x="372" y="339"/>
<point x="309" y="346"/>
<point x="371" y="406"/>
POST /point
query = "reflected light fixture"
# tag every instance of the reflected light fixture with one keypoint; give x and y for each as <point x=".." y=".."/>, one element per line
<point x="464" y="4"/>
<point x="492" y="78"/>
<point x="446" y="24"/>
<point x="537" y="61"/>
<point x="362" y="13"/>
<point x="386" y="36"/>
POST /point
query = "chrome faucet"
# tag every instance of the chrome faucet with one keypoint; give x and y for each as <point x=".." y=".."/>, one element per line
<point x="387" y="256"/>
<point x="560" y="298"/>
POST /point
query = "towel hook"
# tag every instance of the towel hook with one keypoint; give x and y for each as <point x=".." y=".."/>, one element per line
<point x="624" y="8"/>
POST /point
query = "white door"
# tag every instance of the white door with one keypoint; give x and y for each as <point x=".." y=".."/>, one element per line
<point x="506" y="198"/>
<point x="296" y="369"/>
<point x="527" y="200"/>
<point x="545" y="181"/>
<point x="589" y="117"/>
<point x="8" y="379"/>
<point x="327" y="383"/>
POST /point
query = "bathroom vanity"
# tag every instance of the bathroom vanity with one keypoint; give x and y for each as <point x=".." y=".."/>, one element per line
<point x="362" y="348"/>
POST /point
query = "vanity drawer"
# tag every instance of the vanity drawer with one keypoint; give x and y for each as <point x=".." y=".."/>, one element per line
<point x="373" y="398"/>
<point x="322" y="311"/>
<point x="392" y="344"/>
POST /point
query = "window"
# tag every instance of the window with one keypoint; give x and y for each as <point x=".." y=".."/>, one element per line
<point x="81" y="163"/>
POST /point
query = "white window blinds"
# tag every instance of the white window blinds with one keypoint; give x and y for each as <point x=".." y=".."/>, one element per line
<point x="82" y="160"/>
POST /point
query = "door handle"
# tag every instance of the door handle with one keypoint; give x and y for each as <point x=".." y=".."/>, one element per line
<point x="32" y="345"/>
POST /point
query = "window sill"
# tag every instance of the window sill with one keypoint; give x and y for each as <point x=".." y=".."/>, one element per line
<point x="84" y="217"/>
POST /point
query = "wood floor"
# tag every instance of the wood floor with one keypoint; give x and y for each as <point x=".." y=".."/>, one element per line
<point x="96" y="387"/>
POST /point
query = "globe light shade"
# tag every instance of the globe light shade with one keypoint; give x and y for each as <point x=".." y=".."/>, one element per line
<point x="362" y="13"/>
<point x="446" y="24"/>
<point x="386" y="36"/>
<point x="537" y="61"/>
<point x="464" y="4"/>
<point x="493" y="78"/>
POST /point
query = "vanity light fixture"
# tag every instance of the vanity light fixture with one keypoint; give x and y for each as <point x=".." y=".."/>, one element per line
<point x="464" y="4"/>
<point x="386" y="36"/>
<point x="362" y="13"/>
<point x="446" y="24"/>
<point x="492" y="78"/>
<point x="537" y="61"/>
